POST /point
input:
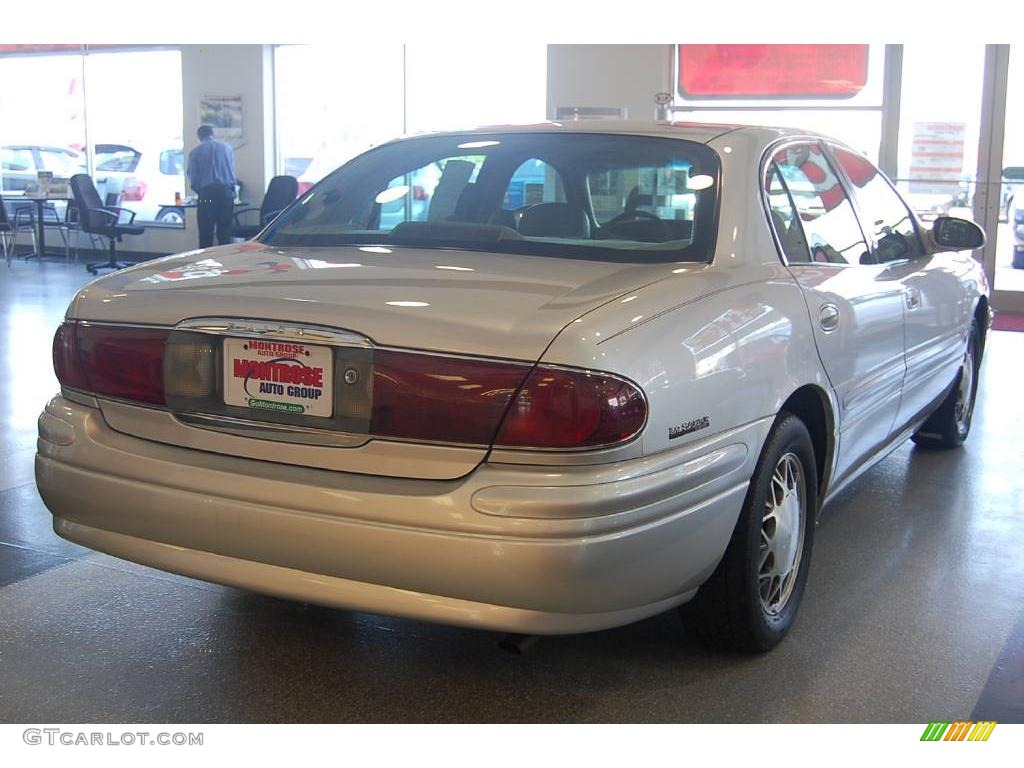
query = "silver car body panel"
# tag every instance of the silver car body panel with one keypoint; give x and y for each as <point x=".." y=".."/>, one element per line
<point x="515" y="540"/>
<point x="515" y="548"/>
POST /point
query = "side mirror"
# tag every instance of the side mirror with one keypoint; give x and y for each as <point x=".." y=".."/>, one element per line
<point x="957" y="234"/>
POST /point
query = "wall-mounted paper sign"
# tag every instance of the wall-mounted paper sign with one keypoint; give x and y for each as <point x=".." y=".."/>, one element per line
<point x="224" y="114"/>
<point x="937" y="157"/>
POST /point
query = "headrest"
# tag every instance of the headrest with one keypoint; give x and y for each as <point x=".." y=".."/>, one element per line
<point x="554" y="220"/>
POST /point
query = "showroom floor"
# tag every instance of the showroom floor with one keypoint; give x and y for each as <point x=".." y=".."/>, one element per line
<point x="914" y="610"/>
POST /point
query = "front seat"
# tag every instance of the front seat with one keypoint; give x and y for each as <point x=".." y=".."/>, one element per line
<point x="555" y="220"/>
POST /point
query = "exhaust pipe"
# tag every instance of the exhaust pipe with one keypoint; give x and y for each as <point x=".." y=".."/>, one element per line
<point x="517" y="645"/>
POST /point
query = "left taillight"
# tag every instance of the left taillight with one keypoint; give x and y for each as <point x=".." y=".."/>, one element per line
<point x="66" y="363"/>
<point x="115" y="361"/>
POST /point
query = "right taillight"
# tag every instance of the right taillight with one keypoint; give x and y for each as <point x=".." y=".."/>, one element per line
<point x="441" y="399"/>
<point x="436" y="398"/>
<point x="565" y="408"/>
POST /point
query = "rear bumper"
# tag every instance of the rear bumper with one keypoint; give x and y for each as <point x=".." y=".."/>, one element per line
<point x="511" y="548"/>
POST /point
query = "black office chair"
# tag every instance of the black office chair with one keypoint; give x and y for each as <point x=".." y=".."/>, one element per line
<point x="281" y="191"/>
<point x="97" y="219"/>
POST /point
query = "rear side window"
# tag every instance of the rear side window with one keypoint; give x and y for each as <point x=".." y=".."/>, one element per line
<point x="172" y="162"/>
<point x="886" y="218"/>
<point x="785" y="220"/>
<point x="826" y="216"/>
<point x="16" y="160"/>
<point x="116" y="158"/>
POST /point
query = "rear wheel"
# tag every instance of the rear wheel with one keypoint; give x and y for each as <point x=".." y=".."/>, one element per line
<point x="171" y="216"/>
<point x="949" y="426"/>
<point x="751" y="599"/>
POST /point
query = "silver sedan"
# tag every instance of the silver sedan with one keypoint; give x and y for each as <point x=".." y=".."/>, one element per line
<point x="548" y="379"/>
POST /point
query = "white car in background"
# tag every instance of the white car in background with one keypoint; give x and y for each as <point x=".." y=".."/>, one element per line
<point x="20" y="165"/>
<point x="537" y="420"/>
<point x="145" y="180"/>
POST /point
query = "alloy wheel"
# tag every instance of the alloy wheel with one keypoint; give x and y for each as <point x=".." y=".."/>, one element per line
<point x="964" y="407"/>
<point x="782" y="535"/>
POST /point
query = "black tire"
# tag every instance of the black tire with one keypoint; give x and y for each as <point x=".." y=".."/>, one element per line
<point x="171" y="215"/>
<point x="950" y="424"/>
<point x="729" y="611"/>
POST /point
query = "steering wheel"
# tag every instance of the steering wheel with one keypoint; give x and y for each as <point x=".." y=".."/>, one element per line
<point x="636" y="215"/>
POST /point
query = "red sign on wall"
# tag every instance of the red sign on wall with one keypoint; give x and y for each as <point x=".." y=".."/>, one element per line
<point x="772" y="71"/>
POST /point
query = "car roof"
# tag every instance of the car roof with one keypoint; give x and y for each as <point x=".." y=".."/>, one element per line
<point x="692" y="131"/>
<point x="47" y="147"/>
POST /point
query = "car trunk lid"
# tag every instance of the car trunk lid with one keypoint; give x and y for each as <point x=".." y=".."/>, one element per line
<point x="351" y="299"/>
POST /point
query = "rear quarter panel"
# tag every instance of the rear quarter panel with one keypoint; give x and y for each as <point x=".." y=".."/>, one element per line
<point x="709" y="364"/>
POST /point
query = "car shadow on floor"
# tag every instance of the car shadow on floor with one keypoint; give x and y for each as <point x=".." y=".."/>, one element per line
<point x="415" y="671"/>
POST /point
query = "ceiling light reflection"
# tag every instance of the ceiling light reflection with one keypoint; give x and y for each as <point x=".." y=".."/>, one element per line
<point x="391" y="194"/>
<point x="478" y="144"/>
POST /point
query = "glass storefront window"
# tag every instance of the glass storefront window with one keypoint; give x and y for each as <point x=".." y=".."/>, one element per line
<point x="334" y="102"/>
<point x="42" y="127"/>
<point x="468" y="85"/>
<point x="940" y="109"/>
<point x="47" y="102"/>
<point x="1009" y="273"/>
<point x="131" y="139"/>
<point x="379" y="92"/>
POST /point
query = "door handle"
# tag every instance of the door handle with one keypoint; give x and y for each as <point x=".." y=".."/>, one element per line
<point x="913" y="298"/>
<point x="828" y="317"/>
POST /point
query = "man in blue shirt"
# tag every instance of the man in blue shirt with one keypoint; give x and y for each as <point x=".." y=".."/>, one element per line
<point x="211" y="173"/>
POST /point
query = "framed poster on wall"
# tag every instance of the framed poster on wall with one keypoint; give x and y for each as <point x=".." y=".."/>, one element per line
<point x="224" y="113"/>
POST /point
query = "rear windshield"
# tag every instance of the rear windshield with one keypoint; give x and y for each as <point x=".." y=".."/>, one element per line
<point x="607" y="197"/>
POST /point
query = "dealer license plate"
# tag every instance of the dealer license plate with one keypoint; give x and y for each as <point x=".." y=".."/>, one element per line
<point x="280" y="376"/>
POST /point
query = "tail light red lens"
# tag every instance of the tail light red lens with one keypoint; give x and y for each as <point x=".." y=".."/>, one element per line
<point x="304" y="187"/>
<point x="416" y="396"/>
<point x="455" y="400"/>
<point x="441" y="399"/>
<point x="115" y="361"/>
<point x="564" y="408"/>
<point x="134" y="189"/>
<point x="66" y="362"/>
